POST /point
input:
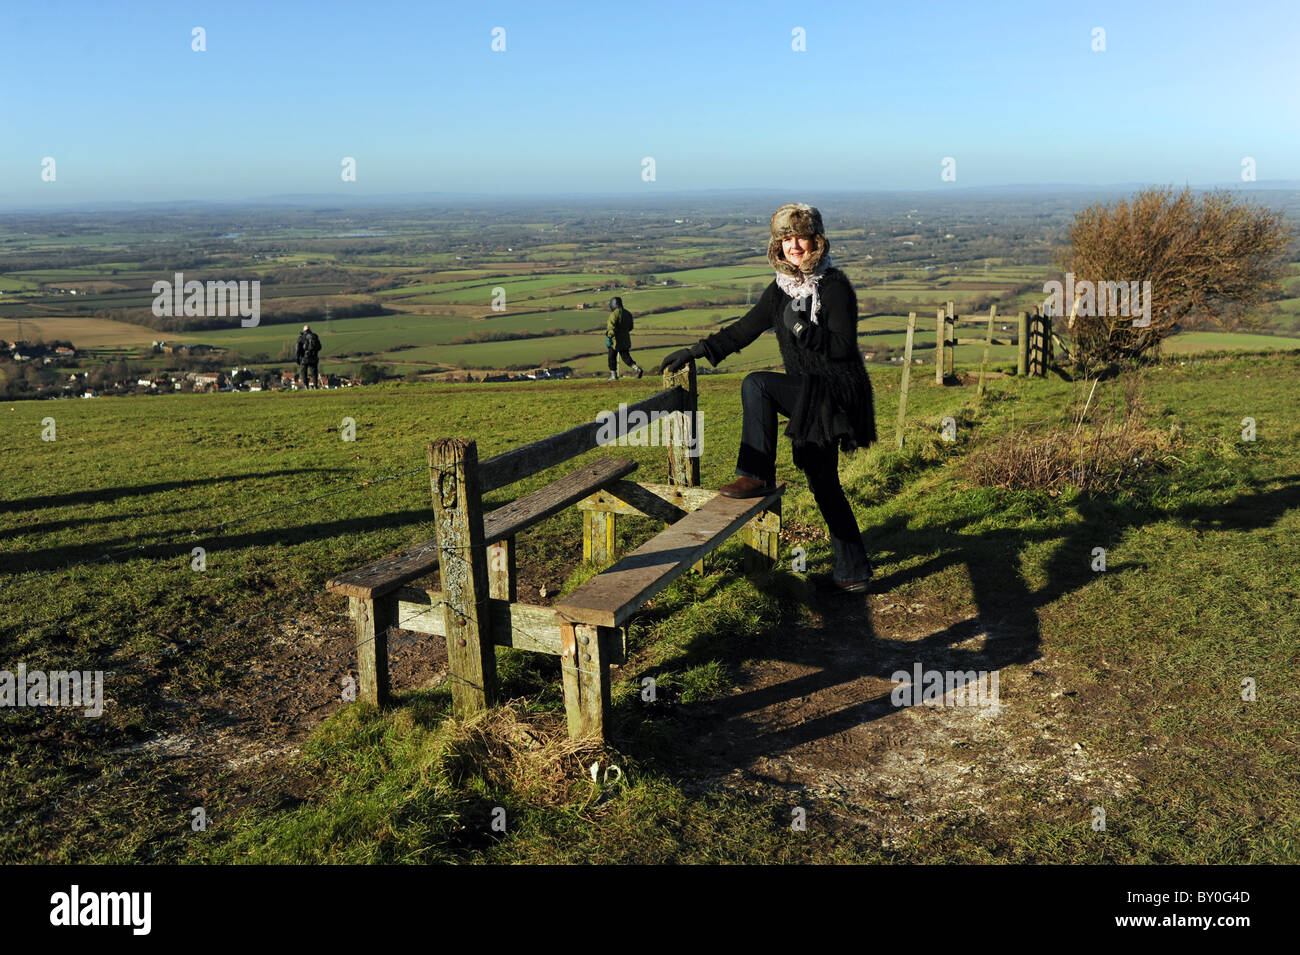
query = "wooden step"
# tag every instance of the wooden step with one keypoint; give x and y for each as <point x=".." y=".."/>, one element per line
<point x="613" y="596"/>
<point x="386" y="575"/>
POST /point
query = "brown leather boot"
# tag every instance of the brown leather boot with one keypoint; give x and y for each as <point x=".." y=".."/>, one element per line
<point x="746" y="487"/>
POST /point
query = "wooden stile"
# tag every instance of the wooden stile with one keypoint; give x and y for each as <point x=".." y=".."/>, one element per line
<point x="477" y="608"/>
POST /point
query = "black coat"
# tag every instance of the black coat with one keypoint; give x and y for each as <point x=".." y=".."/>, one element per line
<point x="308" y="348"/>
<point x="836" y="403"/>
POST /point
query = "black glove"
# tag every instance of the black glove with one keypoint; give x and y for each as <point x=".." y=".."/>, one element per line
<point x="798" y="320"/>
<point x="679" y="358"/>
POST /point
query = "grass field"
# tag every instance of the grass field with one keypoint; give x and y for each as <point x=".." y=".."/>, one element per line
<point x="1120" y="689"/>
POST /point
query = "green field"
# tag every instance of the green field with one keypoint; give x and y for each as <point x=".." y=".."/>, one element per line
<point x="1190" y="343"/>
<point x="442" y="305"/>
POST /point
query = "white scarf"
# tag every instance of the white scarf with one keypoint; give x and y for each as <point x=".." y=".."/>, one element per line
<point x="805" y="284"/>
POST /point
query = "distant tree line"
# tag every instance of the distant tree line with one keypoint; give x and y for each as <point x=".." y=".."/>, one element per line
<point x="271" y="314"/>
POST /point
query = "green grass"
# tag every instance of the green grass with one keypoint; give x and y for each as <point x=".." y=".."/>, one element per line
<point x="1200" y="592"/>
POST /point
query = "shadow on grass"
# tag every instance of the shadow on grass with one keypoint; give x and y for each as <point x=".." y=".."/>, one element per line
<point x="834" y="669"/>
<point x="99" y="495"/>
<point x="177" y="545"/>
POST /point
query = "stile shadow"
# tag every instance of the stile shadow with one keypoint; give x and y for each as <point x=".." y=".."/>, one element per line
<point x="816" y="683"/>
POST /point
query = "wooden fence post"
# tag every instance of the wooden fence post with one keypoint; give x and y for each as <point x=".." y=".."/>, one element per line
<point x="683" y="465"/>
<point x="984" y="362"/>
<point x="598" y="529"/>
<point x="950" y="351"/>
<point x="907" y="376"/>
<point x="372" y="618"/>
<point x="502" y="583"/>
<point x="1022" y="346"/>
<point x="940" y="340"/>
<point x="685" y="440"/>
<point x="584" y="670"/>
<point x="762" y="540"/>
<point x="462" y="562"/>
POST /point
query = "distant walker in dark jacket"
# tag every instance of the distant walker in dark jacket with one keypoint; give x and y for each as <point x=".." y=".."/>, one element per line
<point x="825" y="391"/>
<point x="618" y="338"/>
<point x="306" y="355"/>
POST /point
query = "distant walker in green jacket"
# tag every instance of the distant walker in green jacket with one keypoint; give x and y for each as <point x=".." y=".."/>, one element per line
<point x="618" y="338"/>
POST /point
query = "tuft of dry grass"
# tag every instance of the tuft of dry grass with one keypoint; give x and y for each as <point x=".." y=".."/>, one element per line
<point x="534" y="758"/>
<point x="1101" y="453"/>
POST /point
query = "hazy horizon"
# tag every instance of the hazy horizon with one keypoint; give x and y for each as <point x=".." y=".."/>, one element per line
<point x="635" y="198"/>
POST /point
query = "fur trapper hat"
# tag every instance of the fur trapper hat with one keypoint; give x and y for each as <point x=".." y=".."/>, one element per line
<point x="797" y="218"/>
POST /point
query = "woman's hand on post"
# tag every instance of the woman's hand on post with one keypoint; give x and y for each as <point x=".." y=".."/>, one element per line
<point x="679" y="358"/>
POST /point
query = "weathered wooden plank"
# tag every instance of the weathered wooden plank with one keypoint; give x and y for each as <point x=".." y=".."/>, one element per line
<point x="372" y="619"/>
<point x="509" y="519"/>
<point x="666" y="502"/>
<point x="386" y="575"/>
<point x="520" y="626"/>
<point x="519" y="463"/>
<point x="609" y="599"/>
<point x="584" y="670"/>
<point x="462" y="563"/>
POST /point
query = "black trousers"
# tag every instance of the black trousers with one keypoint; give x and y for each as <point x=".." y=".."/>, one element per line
<point x="623" y="353"/>
<point x="307" y="372"/>
<point x="763" y="395"/>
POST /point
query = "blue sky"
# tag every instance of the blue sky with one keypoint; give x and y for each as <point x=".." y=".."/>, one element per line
<point x="1013" y="92"/>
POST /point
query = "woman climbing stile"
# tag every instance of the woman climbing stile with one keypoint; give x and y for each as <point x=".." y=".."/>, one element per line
<point x="824" y="391"/>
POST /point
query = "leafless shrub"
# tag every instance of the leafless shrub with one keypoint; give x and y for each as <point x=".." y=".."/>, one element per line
<point x="1212" y="256"/>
